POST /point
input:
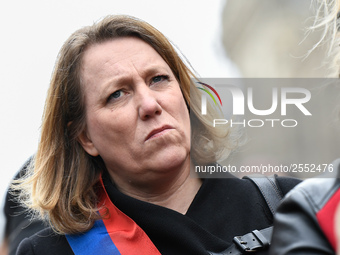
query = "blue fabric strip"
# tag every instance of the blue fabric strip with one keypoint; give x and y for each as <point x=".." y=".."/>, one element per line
<point x="95" y="241"/>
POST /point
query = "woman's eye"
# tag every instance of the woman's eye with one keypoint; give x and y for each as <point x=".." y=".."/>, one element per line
<point x="115" y="95"/>
<point x="159" y="78"/>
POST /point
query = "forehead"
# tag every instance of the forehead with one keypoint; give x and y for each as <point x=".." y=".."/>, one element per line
<point x="119" y="61"/>
<point x="118" y="52"/>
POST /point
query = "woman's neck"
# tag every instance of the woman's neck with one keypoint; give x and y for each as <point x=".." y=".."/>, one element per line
<point x="175" y="193"/>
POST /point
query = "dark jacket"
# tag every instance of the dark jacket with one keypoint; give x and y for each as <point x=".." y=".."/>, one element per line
<point x="221" y="209"/>
<point x="304" y="222"/>
<point x="18" y="222"/>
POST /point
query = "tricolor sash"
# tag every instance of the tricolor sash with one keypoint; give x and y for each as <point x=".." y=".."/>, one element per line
<point x="114" y="234"/>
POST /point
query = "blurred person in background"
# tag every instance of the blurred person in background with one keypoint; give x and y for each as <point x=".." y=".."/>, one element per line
<point x="307" y="221"/>
<point x="273" y="42"/>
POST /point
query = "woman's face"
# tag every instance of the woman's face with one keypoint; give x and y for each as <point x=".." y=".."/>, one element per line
<point x="136" y="116"/>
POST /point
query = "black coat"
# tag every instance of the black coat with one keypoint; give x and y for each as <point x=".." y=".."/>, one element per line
<point x="19" y="223"/>
<point x="222" y="209"/>
<point x="305" y="221"/>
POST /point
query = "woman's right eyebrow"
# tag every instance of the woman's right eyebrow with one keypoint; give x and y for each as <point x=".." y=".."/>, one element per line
<point x="110" y="86"/>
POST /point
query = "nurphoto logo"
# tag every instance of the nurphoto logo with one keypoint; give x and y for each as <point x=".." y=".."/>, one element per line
<point x="296" y="97"/>
<point x="204" y="96"/>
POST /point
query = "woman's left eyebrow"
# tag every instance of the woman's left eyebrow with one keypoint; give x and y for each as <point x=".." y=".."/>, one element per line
<point x="154" y="69"/>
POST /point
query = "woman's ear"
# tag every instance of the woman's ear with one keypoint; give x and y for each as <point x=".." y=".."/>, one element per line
<point x="87" y="144"/>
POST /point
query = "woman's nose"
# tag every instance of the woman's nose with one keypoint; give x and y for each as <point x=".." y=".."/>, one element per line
<point x="148" y="105"/>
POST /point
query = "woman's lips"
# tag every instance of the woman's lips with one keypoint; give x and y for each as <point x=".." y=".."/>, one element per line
<point x="158" y="132"/>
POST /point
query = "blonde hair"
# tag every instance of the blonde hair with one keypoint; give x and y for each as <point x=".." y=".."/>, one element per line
<point x="326" y="19"/>
<point x="63" y="181"/>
